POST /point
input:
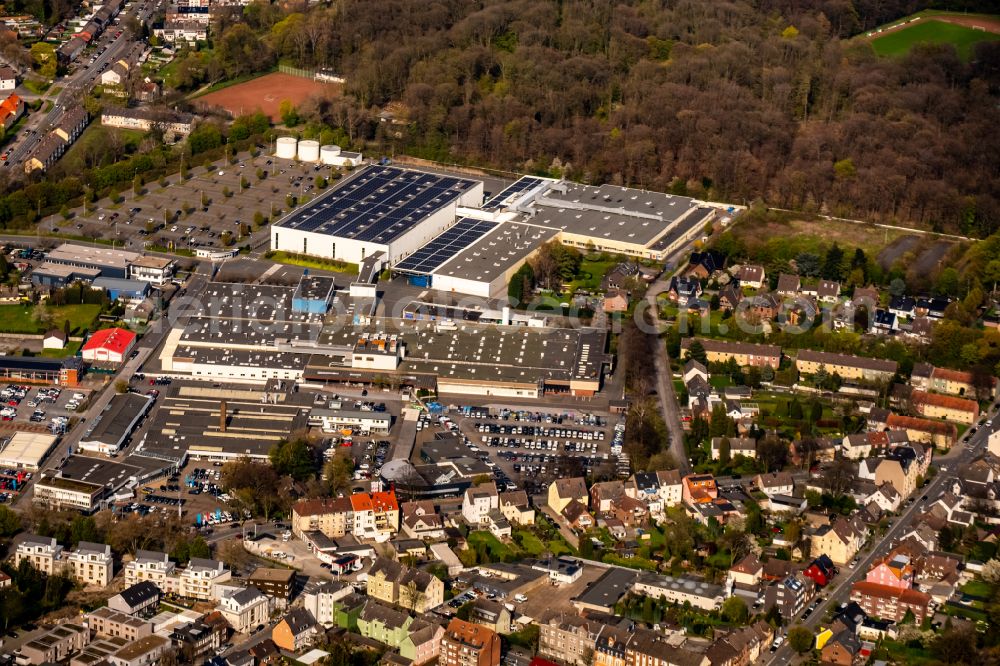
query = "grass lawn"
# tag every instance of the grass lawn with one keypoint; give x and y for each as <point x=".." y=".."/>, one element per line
<point x="36" y="87"/>
<point x="95" y="136"/>
<point x="530" y="543"/>
<point x="978" y="588"/>
<point x="71" y="349"/>
<point x="21" y="318"/>
<point x="591" y="274"/>
<point x="497" y="549"/>
<point x="899" y="42"/>
<point x="311" y="262"/>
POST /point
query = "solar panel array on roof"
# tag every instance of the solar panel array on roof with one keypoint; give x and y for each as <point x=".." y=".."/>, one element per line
<point x="521" y="185"/>
<point x="445" y="246"/>
<point x="378" y="204"/>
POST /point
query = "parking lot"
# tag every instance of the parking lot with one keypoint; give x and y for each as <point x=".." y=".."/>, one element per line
<point x="527" y="449"/>
<point x="51" y="406"/>
<point x="199" y="211"/>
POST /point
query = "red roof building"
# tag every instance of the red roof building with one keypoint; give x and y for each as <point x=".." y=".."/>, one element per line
<point x="110" y="345"/>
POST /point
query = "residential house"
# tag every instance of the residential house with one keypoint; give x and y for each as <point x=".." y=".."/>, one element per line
<point x="886" y="498"/>
<point x="842" y="649"/>
<point x="295" y="631"/>
<point x="515" y="507"/>
<point x="820" y="571"/>
<point x="199" y="578"/>
<point x="576" y="515"/>
<point x="825" y="291"/>
<point x="683" y="290"/>
<point x="74" y="120"/>
<point x="46" y="153"/>
<point x="478" y="502"/>
<point x="775" y="483"/>
<point x="671" y="487"/>
<point x="108" y="622"/>
<point x="604" y="494"/>
<point x="694" y="369"/>
<point x="491" y="614"/>
<point x="468" y="644"/>
<point x="896" y="571"/>
<point x="744" y="353"/>
<point x="900" y="469"/>
<point x="748" y="572"/>
<point x="936" y="433"/>
<point x="885" y="322"/>
<point x="763" y="307"/>
<point x="333" y="517"/>
<point x="703" y="265"/>
<point x="645" y="487"/>
<point x="788" y="285"/>
<point x="8" y="78"/>
<point x="840" y="540"/>
<point x="54" y="339"/>
<point x="143" y="652"/>
<point x="149" y="566"/>
<point x="422" y="643"/>
<point x="615" y="300"/>
<point x="564" y="491"/>
<point x="752" y="276"/>
<point x="325" y="601"/>
<point x="243" y="607"/>
<point x="699" y="488"/>
<point x="384" y="624"/>
<point x="55" y="645"/>
<point x="198" y="639"/>
<point x="11" y="109"/>
<point x="141" y="599"/>
<point x="421" y="520"/>
<point x="729" y="298"/>
<point x="903" y="306"/>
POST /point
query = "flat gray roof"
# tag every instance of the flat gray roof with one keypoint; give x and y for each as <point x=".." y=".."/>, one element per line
<point x="115" y="423"/>
<point x="87" y="254"/>
<point x="610" y="211"/>
<point x="500" y="249"/>
<point x="606" y="591"/>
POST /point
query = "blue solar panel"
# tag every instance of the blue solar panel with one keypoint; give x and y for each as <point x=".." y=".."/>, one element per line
<point x="378" y="204"/>
<point x="445" y="246"/>
<point x="521" y="185"/>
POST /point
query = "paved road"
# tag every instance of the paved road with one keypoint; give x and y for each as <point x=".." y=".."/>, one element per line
<point x="839" y="591"/>
<point x="74" y="86"/>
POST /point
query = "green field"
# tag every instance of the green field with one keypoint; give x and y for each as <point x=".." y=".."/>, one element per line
<point x="900" y="42"/>
<point x="93" y="142"/>
<point x="21" y="318"/>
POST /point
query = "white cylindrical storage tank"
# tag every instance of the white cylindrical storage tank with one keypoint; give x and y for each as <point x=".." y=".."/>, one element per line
<point x="286" y="147"/>
<point x="308" y="151"/>
<point x="329" y="154"/>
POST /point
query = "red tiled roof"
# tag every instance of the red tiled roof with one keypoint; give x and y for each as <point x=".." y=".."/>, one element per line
<point x="380" y="502"/>
<point x="117" y="340"/>
<point x="908" y="596"/>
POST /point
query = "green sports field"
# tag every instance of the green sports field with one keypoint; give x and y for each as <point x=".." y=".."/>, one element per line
<point x="900" y="42"/>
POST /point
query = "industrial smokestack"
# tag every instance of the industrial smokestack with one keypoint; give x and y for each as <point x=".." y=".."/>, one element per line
<point x="222" y="416"/>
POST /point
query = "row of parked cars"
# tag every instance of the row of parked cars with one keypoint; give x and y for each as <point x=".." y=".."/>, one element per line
<point x="540" y="431"/>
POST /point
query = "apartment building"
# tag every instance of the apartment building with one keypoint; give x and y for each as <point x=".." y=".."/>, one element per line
<point x="789" y="595"/>
<point x="745" y="354"/>
<point x="468" y="644"/>
<point x="106" y="621"/>
<point x="946" y="407"/>
<point x="43" y="553"/>
<point x="376" y="515"/>
<point x="243" y="607"/>
<point x="56" y="644"/>
<point x="333" y="517"/>
<point x="569" y="638"/>
<point x="197" y="580"/>
<point x="671" y="487"/>
<point x="321" y="600"/>
<point x="275" y="583"/>
<point x="809" y="362"/>
<point x="944" y="380"/>
<point x="564" y="491"/>
<point x="150" y="566"/>
<point x="840" y="541"/>
<point x="91" y="564"/>
<point x="890" y="603"/>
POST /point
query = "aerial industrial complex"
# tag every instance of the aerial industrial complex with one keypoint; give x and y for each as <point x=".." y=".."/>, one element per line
<point x="438" y="231"/>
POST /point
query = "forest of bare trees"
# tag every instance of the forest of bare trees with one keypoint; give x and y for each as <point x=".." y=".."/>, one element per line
<point x="733" y="100"/>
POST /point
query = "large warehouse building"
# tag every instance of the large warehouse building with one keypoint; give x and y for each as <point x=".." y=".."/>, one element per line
<point x="434" y="230"/>
<point x="378" y="209"/>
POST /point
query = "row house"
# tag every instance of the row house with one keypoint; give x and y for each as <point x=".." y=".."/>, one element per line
<point x="946" y="407"/>
<point x="959" y="383"/>
<point x="863" y="444"/>
<point x="741" y="647"/>
<point x="106" y="621"/>
<point x="745" y="354"/>
<point x="936" y="433"/>
<point x="849" y="367"/>
<point x="376" y="515"/>
<point x="332" y="517"/>
<point x="569" y="638"/>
